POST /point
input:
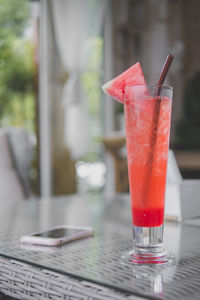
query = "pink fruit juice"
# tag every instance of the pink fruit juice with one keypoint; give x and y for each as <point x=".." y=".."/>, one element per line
<point x="147" y="138"/>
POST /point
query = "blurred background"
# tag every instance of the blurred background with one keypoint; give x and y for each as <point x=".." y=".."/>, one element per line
<point x="62" y="133"/>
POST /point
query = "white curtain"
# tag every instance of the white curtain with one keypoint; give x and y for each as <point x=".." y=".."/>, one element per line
<point x="75" y="23"/>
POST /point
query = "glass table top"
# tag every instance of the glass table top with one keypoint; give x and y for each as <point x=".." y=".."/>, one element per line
<point x="98" y="259"/>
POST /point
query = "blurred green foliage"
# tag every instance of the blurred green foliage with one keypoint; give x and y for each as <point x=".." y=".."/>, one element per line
<point x="14" y="16"/>
<point x="16" y="65"/>
<point x="91" y="79"/>
<point x="92" y="76"/>
<point x="188" y="128"/>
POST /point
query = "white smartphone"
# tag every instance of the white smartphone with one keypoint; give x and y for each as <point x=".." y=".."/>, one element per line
<point x="57" y="236"/>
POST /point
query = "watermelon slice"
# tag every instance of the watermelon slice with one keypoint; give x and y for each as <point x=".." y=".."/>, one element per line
<point x="115" y="87"/>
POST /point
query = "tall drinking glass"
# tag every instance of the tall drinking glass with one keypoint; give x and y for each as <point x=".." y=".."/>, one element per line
<point x="147" y="112"/>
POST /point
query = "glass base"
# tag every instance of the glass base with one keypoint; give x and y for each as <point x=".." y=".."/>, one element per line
<point x="147" y="247"/>
<point x="134" y="257"/>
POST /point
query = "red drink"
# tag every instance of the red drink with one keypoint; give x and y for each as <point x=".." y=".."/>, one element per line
<point x="147" y="111"/>
<point x="147" y="137"/>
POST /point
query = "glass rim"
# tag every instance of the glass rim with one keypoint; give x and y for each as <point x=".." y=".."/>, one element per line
<point x="165" y="86"/>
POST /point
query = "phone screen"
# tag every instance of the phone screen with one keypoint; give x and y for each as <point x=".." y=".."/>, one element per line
<point x="58" y="232"/>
